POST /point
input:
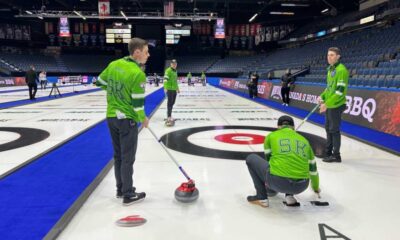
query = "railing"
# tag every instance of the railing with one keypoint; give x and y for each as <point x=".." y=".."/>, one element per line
<point x="129" y="15"/>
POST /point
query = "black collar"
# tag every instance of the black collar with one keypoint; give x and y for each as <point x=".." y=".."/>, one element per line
<point x="334" y="66"/>
<point x="129" y="59"/>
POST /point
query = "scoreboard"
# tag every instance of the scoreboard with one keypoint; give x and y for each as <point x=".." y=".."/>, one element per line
<point x="119" y="33"/>
<point x="174" y="33"/>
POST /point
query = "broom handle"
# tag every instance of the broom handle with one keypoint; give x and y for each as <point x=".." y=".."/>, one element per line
<point x="306" y="118"/>
<point x="170" y="155"/>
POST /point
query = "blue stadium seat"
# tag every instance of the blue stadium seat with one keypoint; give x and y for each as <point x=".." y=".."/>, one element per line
<point x="396" y="83"/>
<point x="373" y="82"/>
<point x="379" y="71"/>
<point x="381" y="83"/>
<point x="363" y="82"/>
<point x="386" y="71"/>
<point x="393" y="84"/>
<point x="394" y="71"/>
<point x="353" y="81"/>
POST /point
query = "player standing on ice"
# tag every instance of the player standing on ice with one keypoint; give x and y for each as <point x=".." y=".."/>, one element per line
<point x="203" y="78"/>
<point x="171" y="88"/>
<point x="333" y="102"/>
<point x="189" y="79"/>
<point x="124" y="81"/>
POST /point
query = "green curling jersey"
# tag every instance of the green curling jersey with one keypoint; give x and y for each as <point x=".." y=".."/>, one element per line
<point x="337" y="82"/>
<point x="171" y="79"/>
<point x="124" y="81"/>
<point x="291" y="156"/>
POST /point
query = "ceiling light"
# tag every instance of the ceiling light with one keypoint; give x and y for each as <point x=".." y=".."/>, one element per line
<point x="253" y="17"/>
<point x="123" y="14"/>
<point x="80" y="15"/>
<point x="294" y="5"/>
<point x="281" y="13"/>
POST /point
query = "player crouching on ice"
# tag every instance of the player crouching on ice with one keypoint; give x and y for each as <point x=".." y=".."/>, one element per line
<point x="288" y="167"/>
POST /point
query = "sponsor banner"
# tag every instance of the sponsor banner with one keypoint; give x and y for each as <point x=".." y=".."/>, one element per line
<point x="64" y="27"/>
<point x="220" y="29"/>
<point x="104" y="8"/>
<point x="264" y="89"/>
<point x="239" y="85"/>
<point x="20" y="81"/>
<point x="12" y="81"/>
<point x="84" y="79"/>
<point x="378" y="110"/>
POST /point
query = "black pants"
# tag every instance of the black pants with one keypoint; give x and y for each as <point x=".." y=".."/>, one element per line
<point x="32" y="90"/>
<point x="157" y="82"/>
<point x="171" y="94"/>
<point x="124" y="135"/>
<point x="266" y="183"/>
<point x="43" y="84"/>
<point x="253" y="91"/>
<point x="333" y="118"/>
<point x="285" y="94"/>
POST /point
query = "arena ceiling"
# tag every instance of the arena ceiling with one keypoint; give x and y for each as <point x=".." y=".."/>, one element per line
<point x="232" y="10"/>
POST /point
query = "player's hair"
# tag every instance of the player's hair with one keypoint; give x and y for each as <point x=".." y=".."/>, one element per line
<point x="335" y="50"/>
<point x="136" y="43"/>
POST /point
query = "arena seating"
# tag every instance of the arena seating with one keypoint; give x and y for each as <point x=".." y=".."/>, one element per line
<point x="372" y="57"/>
<point x="195" y="64"/>
<point x="69" y="63"/>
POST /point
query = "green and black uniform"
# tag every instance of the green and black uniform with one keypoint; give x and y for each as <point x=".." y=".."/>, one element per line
<point x="189" y="79"/>
<point x="334" y="97"/>
<point x="288" y="167"/>
<point x="171" y="87"/>
<point x="124" y="82"/>
<point x="203" y="78"/>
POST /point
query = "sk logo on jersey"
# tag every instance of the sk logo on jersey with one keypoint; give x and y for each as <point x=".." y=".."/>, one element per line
<point x="333" y="73"/>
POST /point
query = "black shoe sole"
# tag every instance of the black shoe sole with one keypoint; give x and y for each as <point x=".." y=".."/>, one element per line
<point x="255" y="199"/>
<point x="130" y="203"/>
<point x="332" y="161"/>
<point x="297" y="204"/>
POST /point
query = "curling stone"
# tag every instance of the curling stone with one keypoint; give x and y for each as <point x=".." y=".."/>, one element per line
<point x="187" y="192"/>
<point x="131" y="221"/>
